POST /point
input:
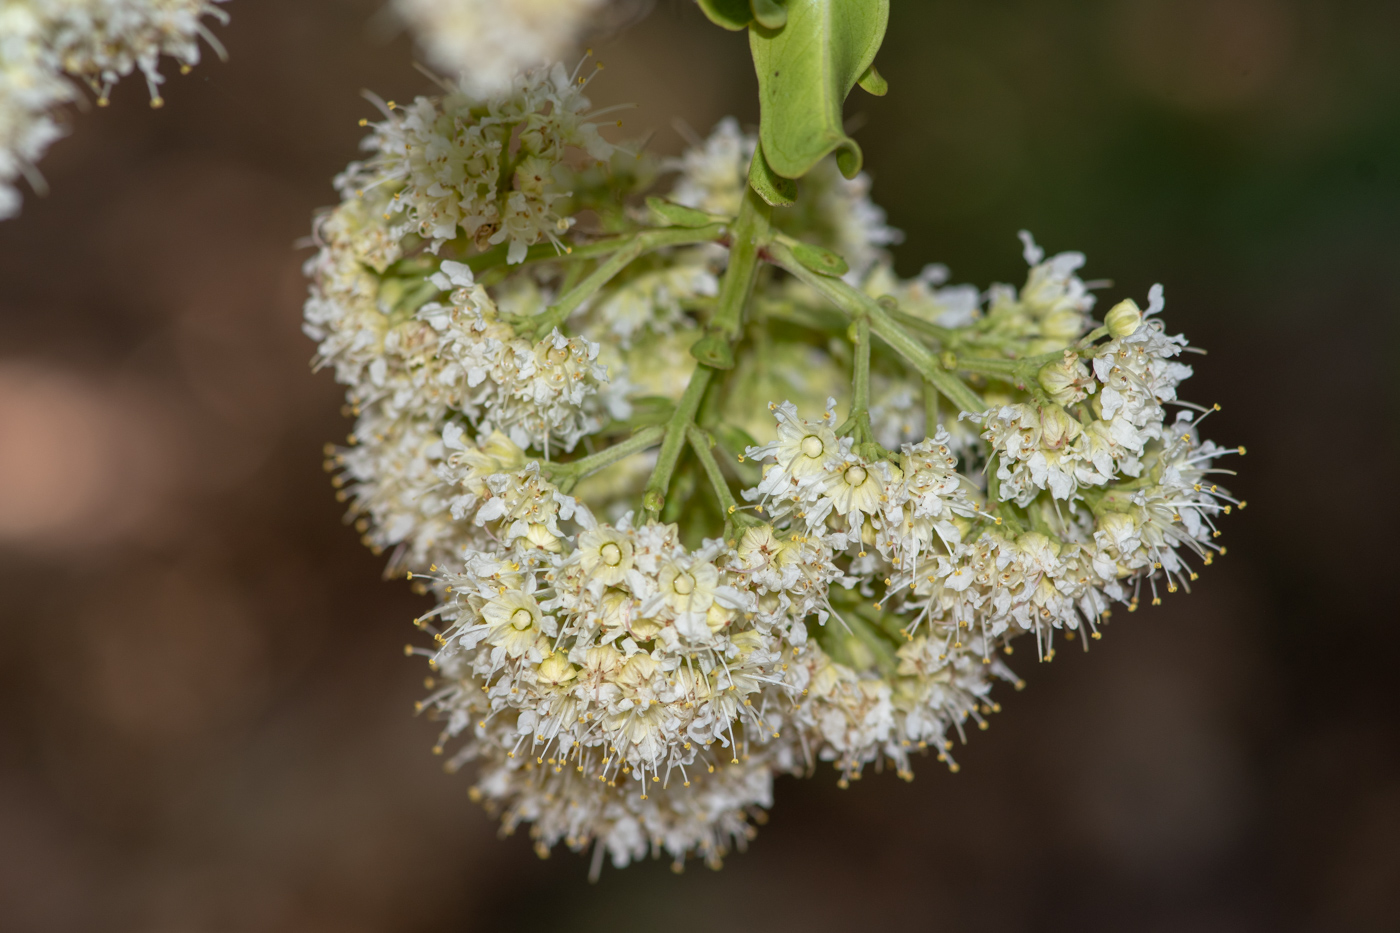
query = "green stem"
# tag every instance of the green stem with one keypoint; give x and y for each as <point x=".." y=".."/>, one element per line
<point x="930" y="409"/>
<point x="989" y="366"/>
<point x="654" y="495"/>
<point x="859" y="422"/>
<point x="702" y="443"/>
<point x="1086" y="342"/>
<point x="943" y="335"/>
<point x="861" y="391"/>
<point x="750" y="234"/>
<point x="556" y="314"/>
<point x="856" y="304"/>
<point x="819" y="319"/>
<point x="568" y="474"/>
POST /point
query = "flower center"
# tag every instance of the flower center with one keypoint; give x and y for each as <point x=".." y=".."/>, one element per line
<point x="557" y="354"/>
<point x="855" y="475"/>
<point x="611" y="554"/>
<point x="812" y="446"/>
<point x="684" y="585"/>
<point x="522" y="619"/>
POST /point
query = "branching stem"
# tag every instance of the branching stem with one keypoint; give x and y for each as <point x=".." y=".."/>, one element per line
<point x="856" y="304"/>
<point x="750" y="235"/>
<point x="623" y="255"/>
<point x="567" y="475"/>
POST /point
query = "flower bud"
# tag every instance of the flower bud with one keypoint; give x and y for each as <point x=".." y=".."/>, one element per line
<point x="1124" y="318"/>
<point x="1117" y="527"/>
<point x="556" y="669"/>
<point x="1057" y="428"/>
<point x="1067" y="380"/>
<point x="1038" y="546"/>
<point x="1063" y="325"/>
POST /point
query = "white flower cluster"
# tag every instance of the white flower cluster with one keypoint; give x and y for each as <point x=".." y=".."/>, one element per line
<point x="45" y="43"/>
<point x="629" y="655"/>
<point x="491" y="41"/>
<point x="631" y="681"/>
<point x="487" y="169"/>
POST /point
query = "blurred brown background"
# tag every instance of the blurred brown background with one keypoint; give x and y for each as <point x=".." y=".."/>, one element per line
<point x="204" y="709"/>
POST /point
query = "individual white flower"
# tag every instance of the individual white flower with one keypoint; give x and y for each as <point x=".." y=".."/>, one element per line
<point x="605" y="555"/>
<point x="491" y="41"/>
<point x="515" y="624"/>
<point x="803" y="453"/>
<point x="853" y="489"/>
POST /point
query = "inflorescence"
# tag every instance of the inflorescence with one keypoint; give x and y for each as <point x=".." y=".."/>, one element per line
<point x="705" y="491"/>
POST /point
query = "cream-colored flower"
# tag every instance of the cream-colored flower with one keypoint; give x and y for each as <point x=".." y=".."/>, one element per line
<point x="491" y="41"/>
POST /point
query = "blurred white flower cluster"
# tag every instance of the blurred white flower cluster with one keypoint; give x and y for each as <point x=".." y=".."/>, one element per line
<point x="45" y="44"/>
<point x="664" y="575"/>
<point x="489" y="42"/>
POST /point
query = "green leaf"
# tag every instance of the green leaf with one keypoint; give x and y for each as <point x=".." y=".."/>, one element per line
<point x="678" y="215"/>
<point x="772" y="188"/>
<point x="872" y="82"/>
<point x="819" y="260"/>
<point x="769" y="13"/>
<point x="731" y="14"/>
<point x="805" y="70"/>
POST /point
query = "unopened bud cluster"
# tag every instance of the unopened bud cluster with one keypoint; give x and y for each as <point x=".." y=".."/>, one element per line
<point x="661" y="582"/>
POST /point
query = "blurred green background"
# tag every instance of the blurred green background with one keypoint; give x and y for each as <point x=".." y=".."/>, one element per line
<point x="204" y="709"/>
